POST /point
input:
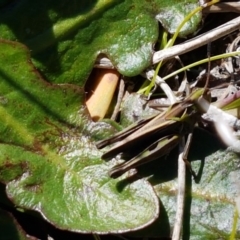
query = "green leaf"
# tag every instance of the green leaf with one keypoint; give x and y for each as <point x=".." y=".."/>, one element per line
<point x="172" y="13"/>
<point x="47" y="156"/>
<point x="232" y="105"/>
<point x="48" y="159"/>
<point x="65" y="39"/>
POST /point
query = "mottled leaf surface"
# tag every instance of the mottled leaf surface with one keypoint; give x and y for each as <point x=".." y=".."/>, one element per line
<point x="65" y="38"/>
<point x="48" y="159"/>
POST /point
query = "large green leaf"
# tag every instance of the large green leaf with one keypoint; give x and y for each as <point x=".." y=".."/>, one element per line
<point x="65" y="38"/>
<point x="47" y="156"/>
<point x="48" y="159"/>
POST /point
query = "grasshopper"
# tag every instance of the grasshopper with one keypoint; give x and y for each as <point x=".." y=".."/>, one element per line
<point x="157" y="135"/>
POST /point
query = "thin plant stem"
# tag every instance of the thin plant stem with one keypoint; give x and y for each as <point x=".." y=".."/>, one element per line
<point x="187" y="18"/>
<point x="234" y="228"/>
<point x="220" y="56"/>
<point x="197" y="42"/>
<point x="96" y="237"/>
<point x="173" y="39"/>
<point x="181" y="193"/>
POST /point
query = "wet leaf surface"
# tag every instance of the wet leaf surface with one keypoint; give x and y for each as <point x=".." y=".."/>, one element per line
<point x="48" y="159"/>
<point x="65" y="39"/>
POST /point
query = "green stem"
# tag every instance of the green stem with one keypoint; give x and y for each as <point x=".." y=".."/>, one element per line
<point x="225" y="55"/>
<point x="186" y="19"/>
<point x="234" y="228"/>
<point x="173" y="39"/>
<point x="96" y="237"/>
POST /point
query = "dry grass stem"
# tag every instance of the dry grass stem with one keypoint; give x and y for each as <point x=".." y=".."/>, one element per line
<point x="181" y="193"/>
<point x="198" y="41"/>
<point x="101" y="97"/>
